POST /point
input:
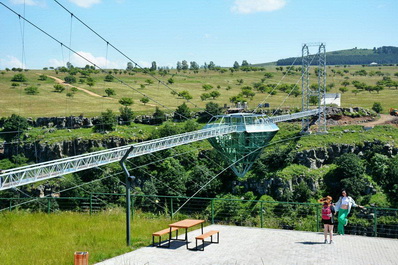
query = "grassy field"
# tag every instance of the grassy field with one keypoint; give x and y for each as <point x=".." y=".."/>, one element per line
<point x="49" y="103"/>
<point x="39" y="238"/>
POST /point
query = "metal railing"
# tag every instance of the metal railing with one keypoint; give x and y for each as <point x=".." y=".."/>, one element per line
<point x="380" y="222"/>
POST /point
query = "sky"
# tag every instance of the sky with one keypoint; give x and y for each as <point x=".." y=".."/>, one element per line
<point x="167" y="31"/>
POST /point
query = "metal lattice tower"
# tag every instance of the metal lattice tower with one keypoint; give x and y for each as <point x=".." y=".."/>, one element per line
<point x="319" y="92"/>
<point x="322" y="88"/>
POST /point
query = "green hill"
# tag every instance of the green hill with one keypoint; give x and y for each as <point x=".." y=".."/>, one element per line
<point x="381" y="55"/>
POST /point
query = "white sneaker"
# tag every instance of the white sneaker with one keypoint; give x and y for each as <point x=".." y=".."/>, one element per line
<point x="331" y="242"/>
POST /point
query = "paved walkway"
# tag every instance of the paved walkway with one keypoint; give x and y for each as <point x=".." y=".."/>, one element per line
<point x="251" y="246"/>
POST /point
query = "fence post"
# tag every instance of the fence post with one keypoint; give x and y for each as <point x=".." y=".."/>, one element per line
<point x="375" y="222"/>
<point x="212" y="211"/>
<point x="91" y="203"/>
<point x="261" y="214"/>
<point x="10" y="205"/>
<point x="49" y="205"/>
<point x="317" y="218"/>
<point x="171" y="208"/>
<point x="132" y="206"/>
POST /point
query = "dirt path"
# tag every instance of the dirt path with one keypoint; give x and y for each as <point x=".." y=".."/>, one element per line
<point x="384" y="118"/>
<point x="60" y="81"/>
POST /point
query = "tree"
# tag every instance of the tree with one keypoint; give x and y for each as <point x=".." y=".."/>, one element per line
<point x="245" y="63"/>
<point x="194" y="66"/>
<point x="110" y="92"/>
<point x="236" y="65"/>
<point x="377" y="107"/>
<point x="207" y="87"/>
<point x="345" y="83"/>
<point x="144" y="100"/>
<point x="130" y="66"/>
<point x="42" y="77"/>
<point x="179" y="66"/>
<point x="126" y="115"/>
<point x="59" y="88"/>
<point x="182" y="112"/>
<point x="109" y="78"/>
<point x="106" y="121"/>
<point x="73" y="90"/>
<point x="349" y="165"/>
<point x="355" y="91"/>
<point x="70" y="79"/>
<point x="15" y="124"/>
<point x="153" y="66"/>
<point x="212" y="109"/>
<point x="19" y="78"/>
<point x="184" y="65"/>
<point x="171" y="174"/>
<point x="268" y="75"/>
<point x="170" y="81"/>
<point x="211" y="65"/>
<point x="149" y="82"/>
<point x="185" y="95"/>
<point x="205" y="96"/>
<point x="236" y="99"/>
<point x="314" y="100"/>
<point x="247" y="91"/>
<point x="159" y="116"/>
<point x="32" y="90"/>
<point x="215" y="94"/>
<point x="126" y="101"/>
<point x="343" y="89"/>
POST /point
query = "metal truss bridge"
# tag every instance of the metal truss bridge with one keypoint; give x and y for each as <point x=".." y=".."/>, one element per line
<point x="12" y="178"/>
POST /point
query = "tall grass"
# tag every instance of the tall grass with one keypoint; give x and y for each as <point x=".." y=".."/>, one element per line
<point x="39" y="238"/>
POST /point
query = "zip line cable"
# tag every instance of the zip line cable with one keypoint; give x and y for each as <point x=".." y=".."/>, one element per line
<point x="222" y="171"/>
<point x="280" y="105"/>
<point x="88" y="60"/>
<point x="283" y="77"/>
<point x="123" y="54"/>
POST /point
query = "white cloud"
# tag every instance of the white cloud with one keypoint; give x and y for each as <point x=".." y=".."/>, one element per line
<point x="11" y="62"/>
<point x="254" y="6"/>
<point x="27" y="2"/>
<point x="102" y="62"/>
<point x="55" y="63"/>
<point x="85" y="3"/>
<point x="144" y="64"/>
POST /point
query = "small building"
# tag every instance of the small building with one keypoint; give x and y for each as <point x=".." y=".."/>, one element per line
<point x="373" y="64"/>
<point x="332" y="98"/>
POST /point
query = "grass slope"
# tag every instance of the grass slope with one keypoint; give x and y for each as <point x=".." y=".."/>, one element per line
<point x="39" y="238"/>
<point x="49" y="103"/>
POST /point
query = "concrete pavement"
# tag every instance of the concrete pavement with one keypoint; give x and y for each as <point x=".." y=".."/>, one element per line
<point x="244" y="246"/>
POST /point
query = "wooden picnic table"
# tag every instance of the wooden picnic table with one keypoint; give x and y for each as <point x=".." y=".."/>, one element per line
<point x="187" y="223"/>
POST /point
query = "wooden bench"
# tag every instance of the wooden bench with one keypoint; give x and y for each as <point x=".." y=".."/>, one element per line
<point x="206" y="235"/>
<point x="163" y="232"/>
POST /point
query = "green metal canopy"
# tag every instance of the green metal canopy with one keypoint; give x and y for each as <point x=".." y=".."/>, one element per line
<point x="243" y="147"/>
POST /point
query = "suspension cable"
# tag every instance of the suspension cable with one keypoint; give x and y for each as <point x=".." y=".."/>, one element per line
<point x="88" y="60"/>
<point x="291" y="91"/>
<point x="283" y="77"/>
<point x="127" y="57"/>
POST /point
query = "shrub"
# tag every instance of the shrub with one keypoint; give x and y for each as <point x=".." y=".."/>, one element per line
<point x="19" y="78"/>
<point x="107" y="121"/>
<point x="32" y="90"/>
<point x="70" y="79"/>
<point x="377" y="107"/>
<point x="59" y="88"/>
